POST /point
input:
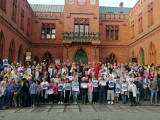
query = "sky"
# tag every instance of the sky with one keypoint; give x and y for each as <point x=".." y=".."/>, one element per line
<point x="113" y="3"/>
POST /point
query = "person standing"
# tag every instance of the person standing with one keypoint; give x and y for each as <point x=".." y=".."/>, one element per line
<point x="84" y="89"/>
<point x="90" y="91"/>
<point x="132" y="88"/>
<point x="67" y="91"/>
<point x="75" y="90"/>
<point x="154" y="89"/>
<point x="33" y="92"/>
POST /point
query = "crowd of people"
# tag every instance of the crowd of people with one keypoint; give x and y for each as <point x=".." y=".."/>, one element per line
<point x="66" y="83"/>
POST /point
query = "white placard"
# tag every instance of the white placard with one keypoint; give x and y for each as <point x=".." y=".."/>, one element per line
<point x="75" y="87"/>
<point x="5" y="62"/>
<point x="60" y="87"/>
<point x="95" y="83"/>
<point x="84" y="85"/>
<point x="70" y="2"/>
<point x="44" y="85"/>
<point x="103" y="83"/>
<point x="50" y="91"/>
<point x="124" y="87"/>
<point x="111" y="84"/>
<point x="57" y="61"/>
<point x="70" y="78"/>
<point x="67" y="86"/>
<point x="118" y="89"/>
<point x="56" y="80"/>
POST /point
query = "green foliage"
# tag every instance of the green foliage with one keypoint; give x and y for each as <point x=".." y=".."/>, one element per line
<point x="36" y="59"/>
<point x="10" y="61"/>
<point x="108" y="60"/>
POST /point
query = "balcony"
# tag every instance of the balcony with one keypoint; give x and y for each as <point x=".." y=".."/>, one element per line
<point x="74" y="37"/>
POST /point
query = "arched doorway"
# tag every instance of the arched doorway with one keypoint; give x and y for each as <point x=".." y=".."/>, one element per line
<point x="152" y="53"/>
<point x="142" y="57"/>
<point x="20" y="54"/>
<point x="47" y="57"/>
<point x="81" y="56"/>
<point x="11" y="50"/>
<point x="1" y="46"/>
<point x="112" y="58"/>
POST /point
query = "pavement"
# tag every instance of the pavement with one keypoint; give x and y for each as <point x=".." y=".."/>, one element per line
<point x="83" y="112"/>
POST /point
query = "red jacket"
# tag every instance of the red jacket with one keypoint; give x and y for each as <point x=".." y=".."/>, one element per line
<point x="55" y="90"/>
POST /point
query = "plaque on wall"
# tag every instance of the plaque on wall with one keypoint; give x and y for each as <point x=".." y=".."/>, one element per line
<point x="71" y="2"/>
<point x="81" y="2"/>
<point x="92" y="2"/>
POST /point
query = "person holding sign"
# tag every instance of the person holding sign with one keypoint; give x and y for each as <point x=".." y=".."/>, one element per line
<point x="84" y="89"/>
<point x="102" y="90"/>
<point x="67" y="91"/>
<point x="55" y="92"/>
<point x="117" y="91"/>
<point x="111" y="87"/>
<point x="44" y="86"/>
<point x="75" y="90"/>
<point x="124" y="91"/>
<point x="95" y="91"/>
<point x="60" y="91"/>
<point x="90" y="91"/>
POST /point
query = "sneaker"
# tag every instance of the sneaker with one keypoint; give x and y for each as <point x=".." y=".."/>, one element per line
<point x="75" y="103"/>
<point x="112" y="103"/>
<point x="61" y="103"/>
<point x="109" y="102"/>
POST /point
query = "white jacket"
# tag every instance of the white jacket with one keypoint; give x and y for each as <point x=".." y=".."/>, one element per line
<point x="1" y="91"/>
<point x="133" y="88"/>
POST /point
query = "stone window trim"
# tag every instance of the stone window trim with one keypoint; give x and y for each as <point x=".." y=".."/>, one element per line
<point x="48" y="31"/>
<point x="3" y="5"/>
<point x="112" y="32"/>
<point x="14" y="10"/>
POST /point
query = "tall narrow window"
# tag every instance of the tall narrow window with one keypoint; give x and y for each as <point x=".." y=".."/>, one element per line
<point x="22" y="19"/>
<point x="3" y="4"/>
<point x="132" y="29"/>
<point x="140" y="23"/>
<point x="28" y="27"/>
<point x="48" y="31"/>
<point x="81" y="26"/>
<point x="112" y="32"/>
<point x="150" y="14"/>
<point x="14" y="10"/>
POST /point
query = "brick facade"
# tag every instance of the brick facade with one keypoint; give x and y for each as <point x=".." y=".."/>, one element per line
<point x="131" y="42"/>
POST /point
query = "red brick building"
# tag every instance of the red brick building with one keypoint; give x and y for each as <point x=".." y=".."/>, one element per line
<point x="80" y="30"/>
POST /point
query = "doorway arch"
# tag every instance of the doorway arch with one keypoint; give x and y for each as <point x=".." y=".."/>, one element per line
<point x="81" y="56"/>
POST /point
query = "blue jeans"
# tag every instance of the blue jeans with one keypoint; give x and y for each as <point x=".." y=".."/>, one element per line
<point x="60" y="95"/>
<point x="75" y="94"/>
<point x="9" y="99"/>
<point x="84" y="97"/>
<point x="154" y="92"/>
<point x="102" y="95"/>
<point x="124" y="98"/>
<point x="26" y="100"/>
<point x="2" y="101"/>
<point x="33" y="98"/>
